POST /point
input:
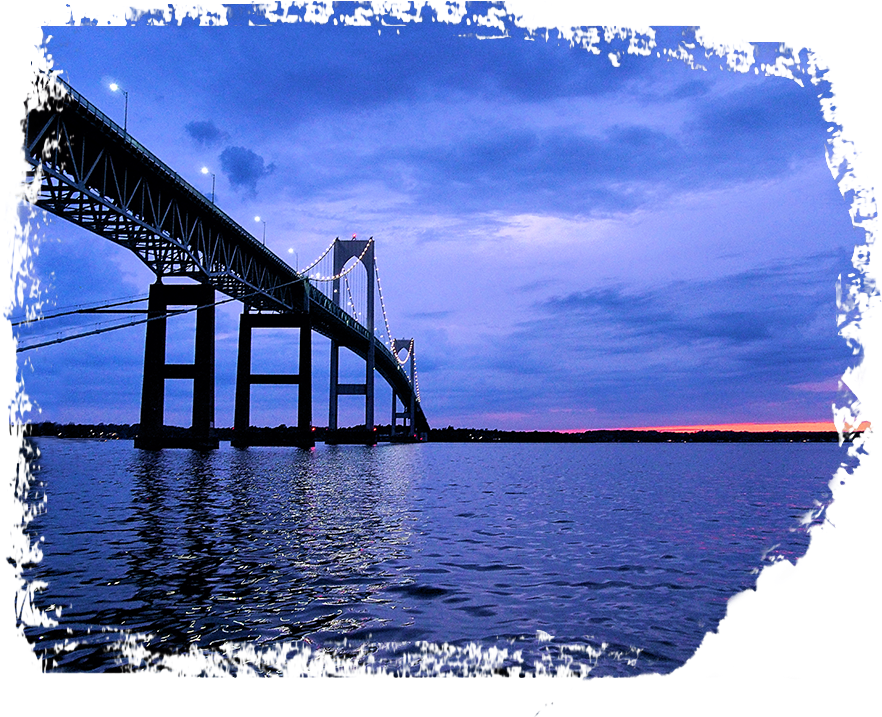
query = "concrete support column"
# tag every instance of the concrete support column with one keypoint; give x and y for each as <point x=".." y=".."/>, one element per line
<point x="152" y="433"/>
<point x="242" y="410"/>
<point x="243" y="433"/>
<point x="153" y="386"/>
<point x="392" y="425"/>
<point x="203" y="366"/>
<point x="335" y="380"/>
<point x="304" y="368"/>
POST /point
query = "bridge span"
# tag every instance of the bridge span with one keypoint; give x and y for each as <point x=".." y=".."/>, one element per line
<point x="93" y="173"/>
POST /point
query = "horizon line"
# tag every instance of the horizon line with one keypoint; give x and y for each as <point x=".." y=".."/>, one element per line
<point x="737" y="427"/>
<point x="792" y="426"/>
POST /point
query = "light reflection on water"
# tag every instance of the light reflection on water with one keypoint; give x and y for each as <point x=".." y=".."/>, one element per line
<point x="546" y="551"/>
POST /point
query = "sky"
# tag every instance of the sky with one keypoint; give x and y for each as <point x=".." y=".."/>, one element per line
<point x="574" y="241"/>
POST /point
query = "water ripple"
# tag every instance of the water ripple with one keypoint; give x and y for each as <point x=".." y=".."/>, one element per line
<point x="428" y="559"/>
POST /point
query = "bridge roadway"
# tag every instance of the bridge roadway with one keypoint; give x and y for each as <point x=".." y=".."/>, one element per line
<point x="96" y="175"/>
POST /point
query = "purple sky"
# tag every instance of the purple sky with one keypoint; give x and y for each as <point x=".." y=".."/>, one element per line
<point x="571" y="244"/>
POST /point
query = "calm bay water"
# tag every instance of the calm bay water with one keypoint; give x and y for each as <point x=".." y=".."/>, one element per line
<point x="470" y="558"/>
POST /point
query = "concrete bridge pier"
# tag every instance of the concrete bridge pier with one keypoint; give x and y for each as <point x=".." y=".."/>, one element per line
<point x="334" y="434"/>
<point x="243" y="433"/>
<point x="403" y="431"/>
<point x="152" y="433"/>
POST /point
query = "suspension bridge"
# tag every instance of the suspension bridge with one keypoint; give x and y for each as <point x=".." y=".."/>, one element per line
<point x="93" y="173"/>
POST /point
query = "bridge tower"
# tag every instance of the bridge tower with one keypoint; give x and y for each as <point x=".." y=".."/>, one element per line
<point x="408" y="414"/>
<point x="152" y="434"/>
<point x="344" y="251"/>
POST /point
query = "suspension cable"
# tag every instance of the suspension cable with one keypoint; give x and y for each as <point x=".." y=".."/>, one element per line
<point x="351" y="299"/>
<point x="322" y="256"/>
<point x="342" y="273"/>
<point x="383" y="305"/>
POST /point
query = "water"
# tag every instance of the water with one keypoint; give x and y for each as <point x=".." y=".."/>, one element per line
<point x="596" y="559"/>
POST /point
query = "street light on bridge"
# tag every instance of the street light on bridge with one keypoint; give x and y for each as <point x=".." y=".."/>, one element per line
<point x="258" y="219"/>
<point x="206" y="171"/>
<point x="114" y="88"/>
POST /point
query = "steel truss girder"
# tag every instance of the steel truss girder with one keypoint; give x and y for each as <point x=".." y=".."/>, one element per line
<point x="97" y="179"/>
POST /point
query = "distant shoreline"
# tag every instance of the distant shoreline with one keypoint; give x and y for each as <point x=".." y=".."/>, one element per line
<point x="463" y="435"/>
<point x="114" y="431"/>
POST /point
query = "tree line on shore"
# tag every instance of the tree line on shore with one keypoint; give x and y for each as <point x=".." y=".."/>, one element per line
<point x="114" y="431"/>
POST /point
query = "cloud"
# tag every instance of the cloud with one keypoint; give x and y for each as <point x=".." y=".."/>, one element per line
<point x="758" y="130"/>
<point x="827" y="386"/>
<point x="243" y="168"/>
<point x="667" y="315"/>
<point x="337" y="69"/>
<point x="205" y="133"/>
<point x="733" y="347"/>
<point x="530" y="170"/>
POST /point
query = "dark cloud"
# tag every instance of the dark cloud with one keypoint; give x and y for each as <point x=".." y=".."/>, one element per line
<point x="347" y="69"/>
<point x="244" y="167"/>
<point x="736" y="129"/>
<point x="668" y="316"/>
<point x="730" y="343"/>
<point x="755" y="133"/>
<point x="689" y="89"/>
<point x="759" y="129"/>
<point x="528" y="170"/>
<point x="205" y="133"/>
